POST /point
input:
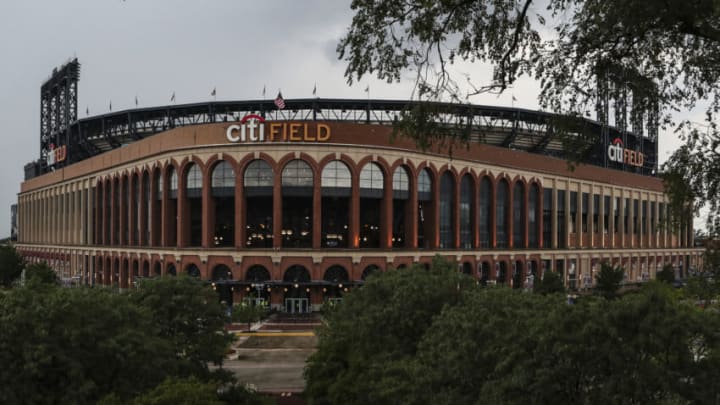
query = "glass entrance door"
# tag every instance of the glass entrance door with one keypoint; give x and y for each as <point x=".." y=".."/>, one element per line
<point x="297" y="305"/>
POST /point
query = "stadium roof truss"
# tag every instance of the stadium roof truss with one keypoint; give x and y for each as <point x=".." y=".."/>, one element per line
<point x="513" y="128"/>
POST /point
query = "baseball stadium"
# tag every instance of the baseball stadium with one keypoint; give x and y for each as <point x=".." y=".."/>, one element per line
<point x="295" y="202"/>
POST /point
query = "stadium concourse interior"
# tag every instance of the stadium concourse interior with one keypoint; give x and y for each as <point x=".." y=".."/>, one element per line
<point x="298" y="218"/>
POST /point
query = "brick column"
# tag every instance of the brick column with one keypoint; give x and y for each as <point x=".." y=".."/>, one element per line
<point x="208" y="211"/>
<point x="132" y="211"/>
<point x="277" y="210"/>
<point x="411" y="220"/>
<point x="386" y="215"/>
<point x="123" y="210"/>
<point x="240" y="211"/>
<point x="143" y="211"/>
<point x="456" y="212"/>
<point x="317" y="212"/>
<point x="354" y="226"/>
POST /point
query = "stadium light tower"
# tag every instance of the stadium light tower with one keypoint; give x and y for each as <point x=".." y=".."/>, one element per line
<point x="58" y="108"/>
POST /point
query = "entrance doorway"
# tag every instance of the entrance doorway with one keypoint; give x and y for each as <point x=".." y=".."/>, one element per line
<point x="297" y="305"/>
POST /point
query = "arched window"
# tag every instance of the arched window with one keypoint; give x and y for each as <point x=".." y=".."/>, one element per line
<point x="447" y="211"/>
<point x="194" y="183"/>
<point x="221" y="272"/>
<point x="337" y="279"/>
<point x="533" y="212"/>
<point x="296" y="274"/>
<point x="258" y="187"/>
<point x="336" y="189"/>
<point x="223" y="204"/>
<point x="519" y="215"/>
<point x="336" y="274"/>
<point x="371" y="177"/>
<point x="371" y="194"/>
<point x="502" y="206"/>
<point x="192" y="270"/>
<point x="425" y="210"/>
<point x="173" y="182"/>
<point x="257" y="274"/>
<point x="369" y="271"/>
<point x="297" y="173"/>
<point x="170" y="214"/>
<point x="297" y="205"/>
<point x="466" y="202"/>
<point x="424" y="185"/>
<point x="336" y="175"/>
<point x="171" y="269"/>
<point x="401" y="183"/>
<point x="401" y="206"/>
<point x="485" y="214"/>
<point x="258" y="174"/>
<point x="223" y="180"/>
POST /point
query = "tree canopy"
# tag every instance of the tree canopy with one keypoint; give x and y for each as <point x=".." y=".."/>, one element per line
<point x="416" y="337"/>
<point x="11" y="265"/>
<point x="80" y="345"/>
<point x="659" y="56"/>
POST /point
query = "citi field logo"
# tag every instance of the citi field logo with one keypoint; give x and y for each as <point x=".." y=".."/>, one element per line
<point x="252" y="129"/>
<point x="618" y="153"/>
<point x="247" y="128"/>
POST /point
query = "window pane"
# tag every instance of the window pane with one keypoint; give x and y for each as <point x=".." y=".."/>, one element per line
<point x="297" y="173"/>
<point x="194" y="178"/>
<point x="223" y="175"/>
<point x="258" y="174"/>
<point x="400" y="180"/>
<point x="336" y="174"/>
<point x="371" y="177"/>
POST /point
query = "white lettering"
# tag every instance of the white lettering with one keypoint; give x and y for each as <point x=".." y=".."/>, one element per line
<point x="229" y="133"/>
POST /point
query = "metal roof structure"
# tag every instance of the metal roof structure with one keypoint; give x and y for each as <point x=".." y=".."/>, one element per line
<point x="514" y="128"/>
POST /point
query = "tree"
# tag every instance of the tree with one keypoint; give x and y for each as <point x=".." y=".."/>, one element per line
<point x="369" y="337"/>
<point x="247" y="313"/>
<point x="11" y="265"/>
<point x="608" y="280"/>
<point x="191" y="391"/>
<point x="75" y="346"/>
<point x="551" y="283"/>
<point x="659" y="55"/>
<point x="666" y="275"/>
<point x="188" y="316"/>
<point x="40" y="273"/>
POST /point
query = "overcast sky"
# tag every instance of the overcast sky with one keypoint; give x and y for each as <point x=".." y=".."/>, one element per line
<point x="152" y="48"/>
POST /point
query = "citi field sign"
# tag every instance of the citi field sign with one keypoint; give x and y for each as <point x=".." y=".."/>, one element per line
<point x="617" y="153"/>
<point x="252" y="129"/>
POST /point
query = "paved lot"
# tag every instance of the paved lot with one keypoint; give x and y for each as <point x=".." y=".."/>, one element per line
<point x="272" y="362"/>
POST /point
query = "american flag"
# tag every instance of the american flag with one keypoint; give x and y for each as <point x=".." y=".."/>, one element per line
<point x="279" y="101"/>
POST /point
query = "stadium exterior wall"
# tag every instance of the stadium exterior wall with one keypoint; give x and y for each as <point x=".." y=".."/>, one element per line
<point x="311" y="219"/>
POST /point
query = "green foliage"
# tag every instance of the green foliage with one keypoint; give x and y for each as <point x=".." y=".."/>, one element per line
<point x="11" y="265"/>
<point x="368" y="338"/>
<point x="608" y="280"/>
<point x="40" y="273"/>
<point x="187" y="391"/>
<point x="661" y="54"/>
<point x="81" y="345"/>
<point x="76" y="345"/>
<point x="189" y="317"/>
<point x="192" y="391"/>
<point x="702" y="288"/>
<point x="501" y="346"/>
<point x="666" y="275"/>
<point x="551" y="283"/>
<point x="247" y="313"/>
